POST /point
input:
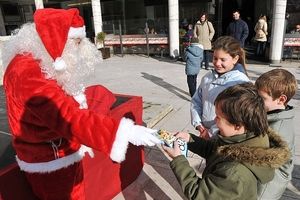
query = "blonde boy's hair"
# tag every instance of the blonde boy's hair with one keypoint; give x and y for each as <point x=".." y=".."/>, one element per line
<point x="277" y="82"/>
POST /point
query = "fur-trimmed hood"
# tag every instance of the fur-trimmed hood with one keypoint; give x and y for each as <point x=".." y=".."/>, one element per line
<point x="257" y="158"/>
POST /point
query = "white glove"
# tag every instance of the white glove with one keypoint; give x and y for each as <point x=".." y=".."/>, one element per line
<point x="135" y="134"/>
<point x="140" y="135"/>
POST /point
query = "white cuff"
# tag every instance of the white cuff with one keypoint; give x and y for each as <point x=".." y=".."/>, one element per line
<point x="120" y="144"/>
<point x="78" y="32"/>
<point x="53" y="165"/>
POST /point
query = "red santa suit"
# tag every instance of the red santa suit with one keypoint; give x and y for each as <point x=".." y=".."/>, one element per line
<point x="53" y="130"/>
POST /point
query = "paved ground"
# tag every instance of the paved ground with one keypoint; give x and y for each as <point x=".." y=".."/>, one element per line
<point x="162" y="83"/>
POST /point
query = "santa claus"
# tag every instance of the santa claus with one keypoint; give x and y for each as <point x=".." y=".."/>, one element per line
<point x="52" y="121"/>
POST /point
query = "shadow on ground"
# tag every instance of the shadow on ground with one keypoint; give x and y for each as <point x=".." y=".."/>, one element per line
<point x="171" y="88"/>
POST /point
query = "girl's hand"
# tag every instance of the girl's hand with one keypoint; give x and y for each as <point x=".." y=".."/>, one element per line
<point x="200" y="128"/>
<point x="183" y="135"/>
<point x="204" y="134"/>
<point x="172" y="152"/>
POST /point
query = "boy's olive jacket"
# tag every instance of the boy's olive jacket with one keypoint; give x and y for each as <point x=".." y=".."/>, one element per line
<point x="234" y="165"/>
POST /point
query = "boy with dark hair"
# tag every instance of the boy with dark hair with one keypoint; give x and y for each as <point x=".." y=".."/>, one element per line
<point x="244" y="154"/>
<point x="277" y="87"/>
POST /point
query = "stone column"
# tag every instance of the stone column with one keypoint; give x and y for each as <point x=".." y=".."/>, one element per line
<point x="277" y="34"/>
<point x="219" y="12"/>
<point x="97" y="16"/>
<point x="173" y="28"/>
<point x="39" y="4"/>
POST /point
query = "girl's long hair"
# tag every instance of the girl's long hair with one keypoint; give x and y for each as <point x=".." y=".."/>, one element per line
<point x="231" y="46"/>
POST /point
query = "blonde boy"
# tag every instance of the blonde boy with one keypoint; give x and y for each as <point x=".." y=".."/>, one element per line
<point x="277" y="87"/>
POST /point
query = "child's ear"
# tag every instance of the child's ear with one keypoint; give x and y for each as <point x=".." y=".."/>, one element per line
<point x="282" y="99"/>
<point x="237" y="127"/>
<point x="236" y="59"/>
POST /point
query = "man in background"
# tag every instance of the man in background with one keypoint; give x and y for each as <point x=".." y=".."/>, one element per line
<point x="238" y="28"/>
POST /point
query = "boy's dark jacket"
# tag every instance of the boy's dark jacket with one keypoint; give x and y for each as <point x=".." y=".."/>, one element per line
<point x="239" y="30"/>
<point x="234" y="165"/>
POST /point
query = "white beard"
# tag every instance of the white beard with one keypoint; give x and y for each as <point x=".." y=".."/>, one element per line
<point x="81" y="59"/>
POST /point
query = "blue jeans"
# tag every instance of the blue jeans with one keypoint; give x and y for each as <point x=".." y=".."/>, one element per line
<point x="206" y="58"/>
<point x="261" y="48"/>
<point x="192" y="84"/>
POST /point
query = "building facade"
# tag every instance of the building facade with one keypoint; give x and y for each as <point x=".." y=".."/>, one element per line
<point x="163" y="17"/>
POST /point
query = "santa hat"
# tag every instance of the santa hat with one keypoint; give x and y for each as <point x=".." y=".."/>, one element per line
<point x="55" y="26"/>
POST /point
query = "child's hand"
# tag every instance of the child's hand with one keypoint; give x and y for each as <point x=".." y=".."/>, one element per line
<point x="183" y="135"/>
<point x="200" y="128"/>
<point x="204" y="134"/>
<point x="172" y="152"/>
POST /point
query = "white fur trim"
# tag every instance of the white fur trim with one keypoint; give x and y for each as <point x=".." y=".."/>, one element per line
<point x="45" y="167"/>
<point x="77" y="32"/>
<point x="120" y="144"/>
<point x="81" y="99"/>
<point x="59" y="64"/>
<point x="198" y="45"/>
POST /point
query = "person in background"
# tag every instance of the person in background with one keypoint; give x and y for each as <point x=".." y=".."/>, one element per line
<point x="55" y="118"/>
<point x="184" y="24"/>
<point x="205" y="32"/>
<point x="238" y="28"/>
<point x="193" y="56"/>
<point x="244" y="153"/>
<point x="277" y="87"/>
<point x="189" y="33"/>
<point x="150" y="30"/>
<point x="229" y="69"/>
<point x="296" y="30"/>
<point x="261" y="32"/>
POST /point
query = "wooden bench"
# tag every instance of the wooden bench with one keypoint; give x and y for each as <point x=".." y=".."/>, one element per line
<point x="158" y="43"/>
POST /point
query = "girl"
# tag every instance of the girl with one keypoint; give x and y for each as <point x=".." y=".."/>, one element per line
<point x="243" y="156"/>
<point x="229" y="69"/>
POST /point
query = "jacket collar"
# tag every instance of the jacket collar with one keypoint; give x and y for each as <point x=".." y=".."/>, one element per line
<point x="280" y="110"/>
<point x="199" y="22"/>
<point x="237" y="138"/>
<point x="264" y="151"/>
<point x="238" y="67"/>
<point x="197" y="44"/>
<point x="280" y="114"/>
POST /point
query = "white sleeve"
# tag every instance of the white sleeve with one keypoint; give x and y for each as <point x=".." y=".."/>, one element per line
<point x="196" y="107"/>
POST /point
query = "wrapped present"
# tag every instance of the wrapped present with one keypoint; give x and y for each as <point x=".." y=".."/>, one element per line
<point x="169" y="139"/>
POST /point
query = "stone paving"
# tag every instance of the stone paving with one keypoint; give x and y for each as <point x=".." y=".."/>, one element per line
<point x="162" y="83"/>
